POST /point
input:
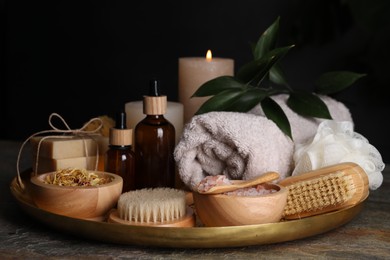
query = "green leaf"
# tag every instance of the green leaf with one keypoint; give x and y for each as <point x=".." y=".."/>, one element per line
<point x="220" y="101"/>
<point x="258" y="69"/>
<point x="277" y="76"/>
<point x="335" y="81"/>
<point x="247" y="100"/>
<point x="217" y="85"/>
<point x="308" y="104"/>
<point x="267" y="40"/>
<point x="274" y="112"/>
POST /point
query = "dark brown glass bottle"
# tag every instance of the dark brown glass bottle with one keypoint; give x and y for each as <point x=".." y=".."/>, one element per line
<point x="154" y="143"/>
<point x="120" y="158"/>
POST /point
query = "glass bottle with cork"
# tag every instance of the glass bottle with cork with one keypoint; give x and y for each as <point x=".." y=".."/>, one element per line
<point x="154" y="143"/>
<point x="120" y="158"/>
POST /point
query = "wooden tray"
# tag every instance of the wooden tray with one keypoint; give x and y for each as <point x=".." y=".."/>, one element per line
<point x="193" y="237"/>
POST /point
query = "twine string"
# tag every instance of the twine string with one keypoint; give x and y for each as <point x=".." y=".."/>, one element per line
<point x="67" y="133"/>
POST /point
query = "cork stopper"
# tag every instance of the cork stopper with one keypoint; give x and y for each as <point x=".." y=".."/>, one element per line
<point x="154" y="103"/>
<point x="120" y="135"/>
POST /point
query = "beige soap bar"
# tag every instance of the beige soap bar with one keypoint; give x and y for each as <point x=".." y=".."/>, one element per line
<point x="50" y="165"/>
<point x="61" y="148"/>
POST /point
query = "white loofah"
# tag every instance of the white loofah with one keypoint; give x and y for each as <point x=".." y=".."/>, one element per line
<point x="336" y="142"/>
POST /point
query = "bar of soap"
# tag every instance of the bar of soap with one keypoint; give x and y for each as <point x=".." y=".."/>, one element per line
<point x="62" y="148"/>
<point x="51" y="165"/>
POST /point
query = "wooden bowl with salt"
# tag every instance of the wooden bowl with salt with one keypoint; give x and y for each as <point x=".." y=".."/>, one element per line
<point x="236" y="208"/>
<point x="91" y="200"/>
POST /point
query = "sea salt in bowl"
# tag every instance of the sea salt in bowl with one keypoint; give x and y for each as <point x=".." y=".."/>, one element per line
<point x="91" y="201"/>
<point x="236" y="209"/>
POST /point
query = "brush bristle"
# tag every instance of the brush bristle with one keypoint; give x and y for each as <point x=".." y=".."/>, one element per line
<point x="152" y="205"/>
<point x="319" y="193"/>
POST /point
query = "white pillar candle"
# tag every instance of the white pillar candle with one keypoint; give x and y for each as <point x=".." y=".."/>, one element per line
<point x="193" y="72"/>
<point x="174" y="114"/>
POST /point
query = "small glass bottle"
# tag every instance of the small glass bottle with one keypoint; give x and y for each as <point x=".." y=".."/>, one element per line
<point x="120" y="158"/>
<point x="154" y="143"/>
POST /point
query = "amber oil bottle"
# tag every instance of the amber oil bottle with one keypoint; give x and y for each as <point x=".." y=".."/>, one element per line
<point x="120" y="158"/>
<point x="154" y="143"/>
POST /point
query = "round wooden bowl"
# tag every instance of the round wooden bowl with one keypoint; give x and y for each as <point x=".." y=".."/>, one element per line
<point x="230" y="210"/>
<point x="86" y="202"/>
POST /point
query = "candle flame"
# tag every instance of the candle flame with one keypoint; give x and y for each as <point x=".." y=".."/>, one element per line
<point x="209" y="56"/>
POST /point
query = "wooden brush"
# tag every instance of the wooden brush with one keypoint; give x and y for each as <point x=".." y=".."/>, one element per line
<point x="326" y="189"/>
<point x="153" y="206"/>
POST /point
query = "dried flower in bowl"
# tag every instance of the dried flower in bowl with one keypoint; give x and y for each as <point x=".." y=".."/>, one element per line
<point x="77" y="193"/>
<point x="76" y="177"/>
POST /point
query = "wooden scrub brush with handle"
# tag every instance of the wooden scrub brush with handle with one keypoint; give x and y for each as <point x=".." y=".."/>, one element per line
<point x="324" y="190"/>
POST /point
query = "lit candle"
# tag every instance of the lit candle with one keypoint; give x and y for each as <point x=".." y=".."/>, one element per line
<point x="174" y="114"/>
<point x="193" y="72"/>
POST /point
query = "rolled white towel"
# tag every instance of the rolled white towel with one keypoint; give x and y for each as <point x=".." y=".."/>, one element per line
<point x="304" y="128"/>
<point x="237" y="145"/>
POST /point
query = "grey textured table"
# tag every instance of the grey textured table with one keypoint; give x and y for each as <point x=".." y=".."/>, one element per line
<point x="22" y="237"/>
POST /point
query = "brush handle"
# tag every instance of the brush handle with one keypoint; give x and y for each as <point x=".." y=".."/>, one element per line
<point x="348" y="168"/>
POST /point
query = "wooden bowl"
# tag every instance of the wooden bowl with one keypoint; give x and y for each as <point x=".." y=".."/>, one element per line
<point x="85" y="202"/>
<point x="231" y="210"/>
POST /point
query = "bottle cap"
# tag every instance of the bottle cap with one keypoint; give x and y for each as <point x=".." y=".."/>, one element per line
<point x="120" y="122"/>
<point x="121" y="135"/>
<point x="154" y="103"/>
<point x="154" y="88"/>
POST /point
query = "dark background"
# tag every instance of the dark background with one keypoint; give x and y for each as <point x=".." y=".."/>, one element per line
<point x="83" y="59"/>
